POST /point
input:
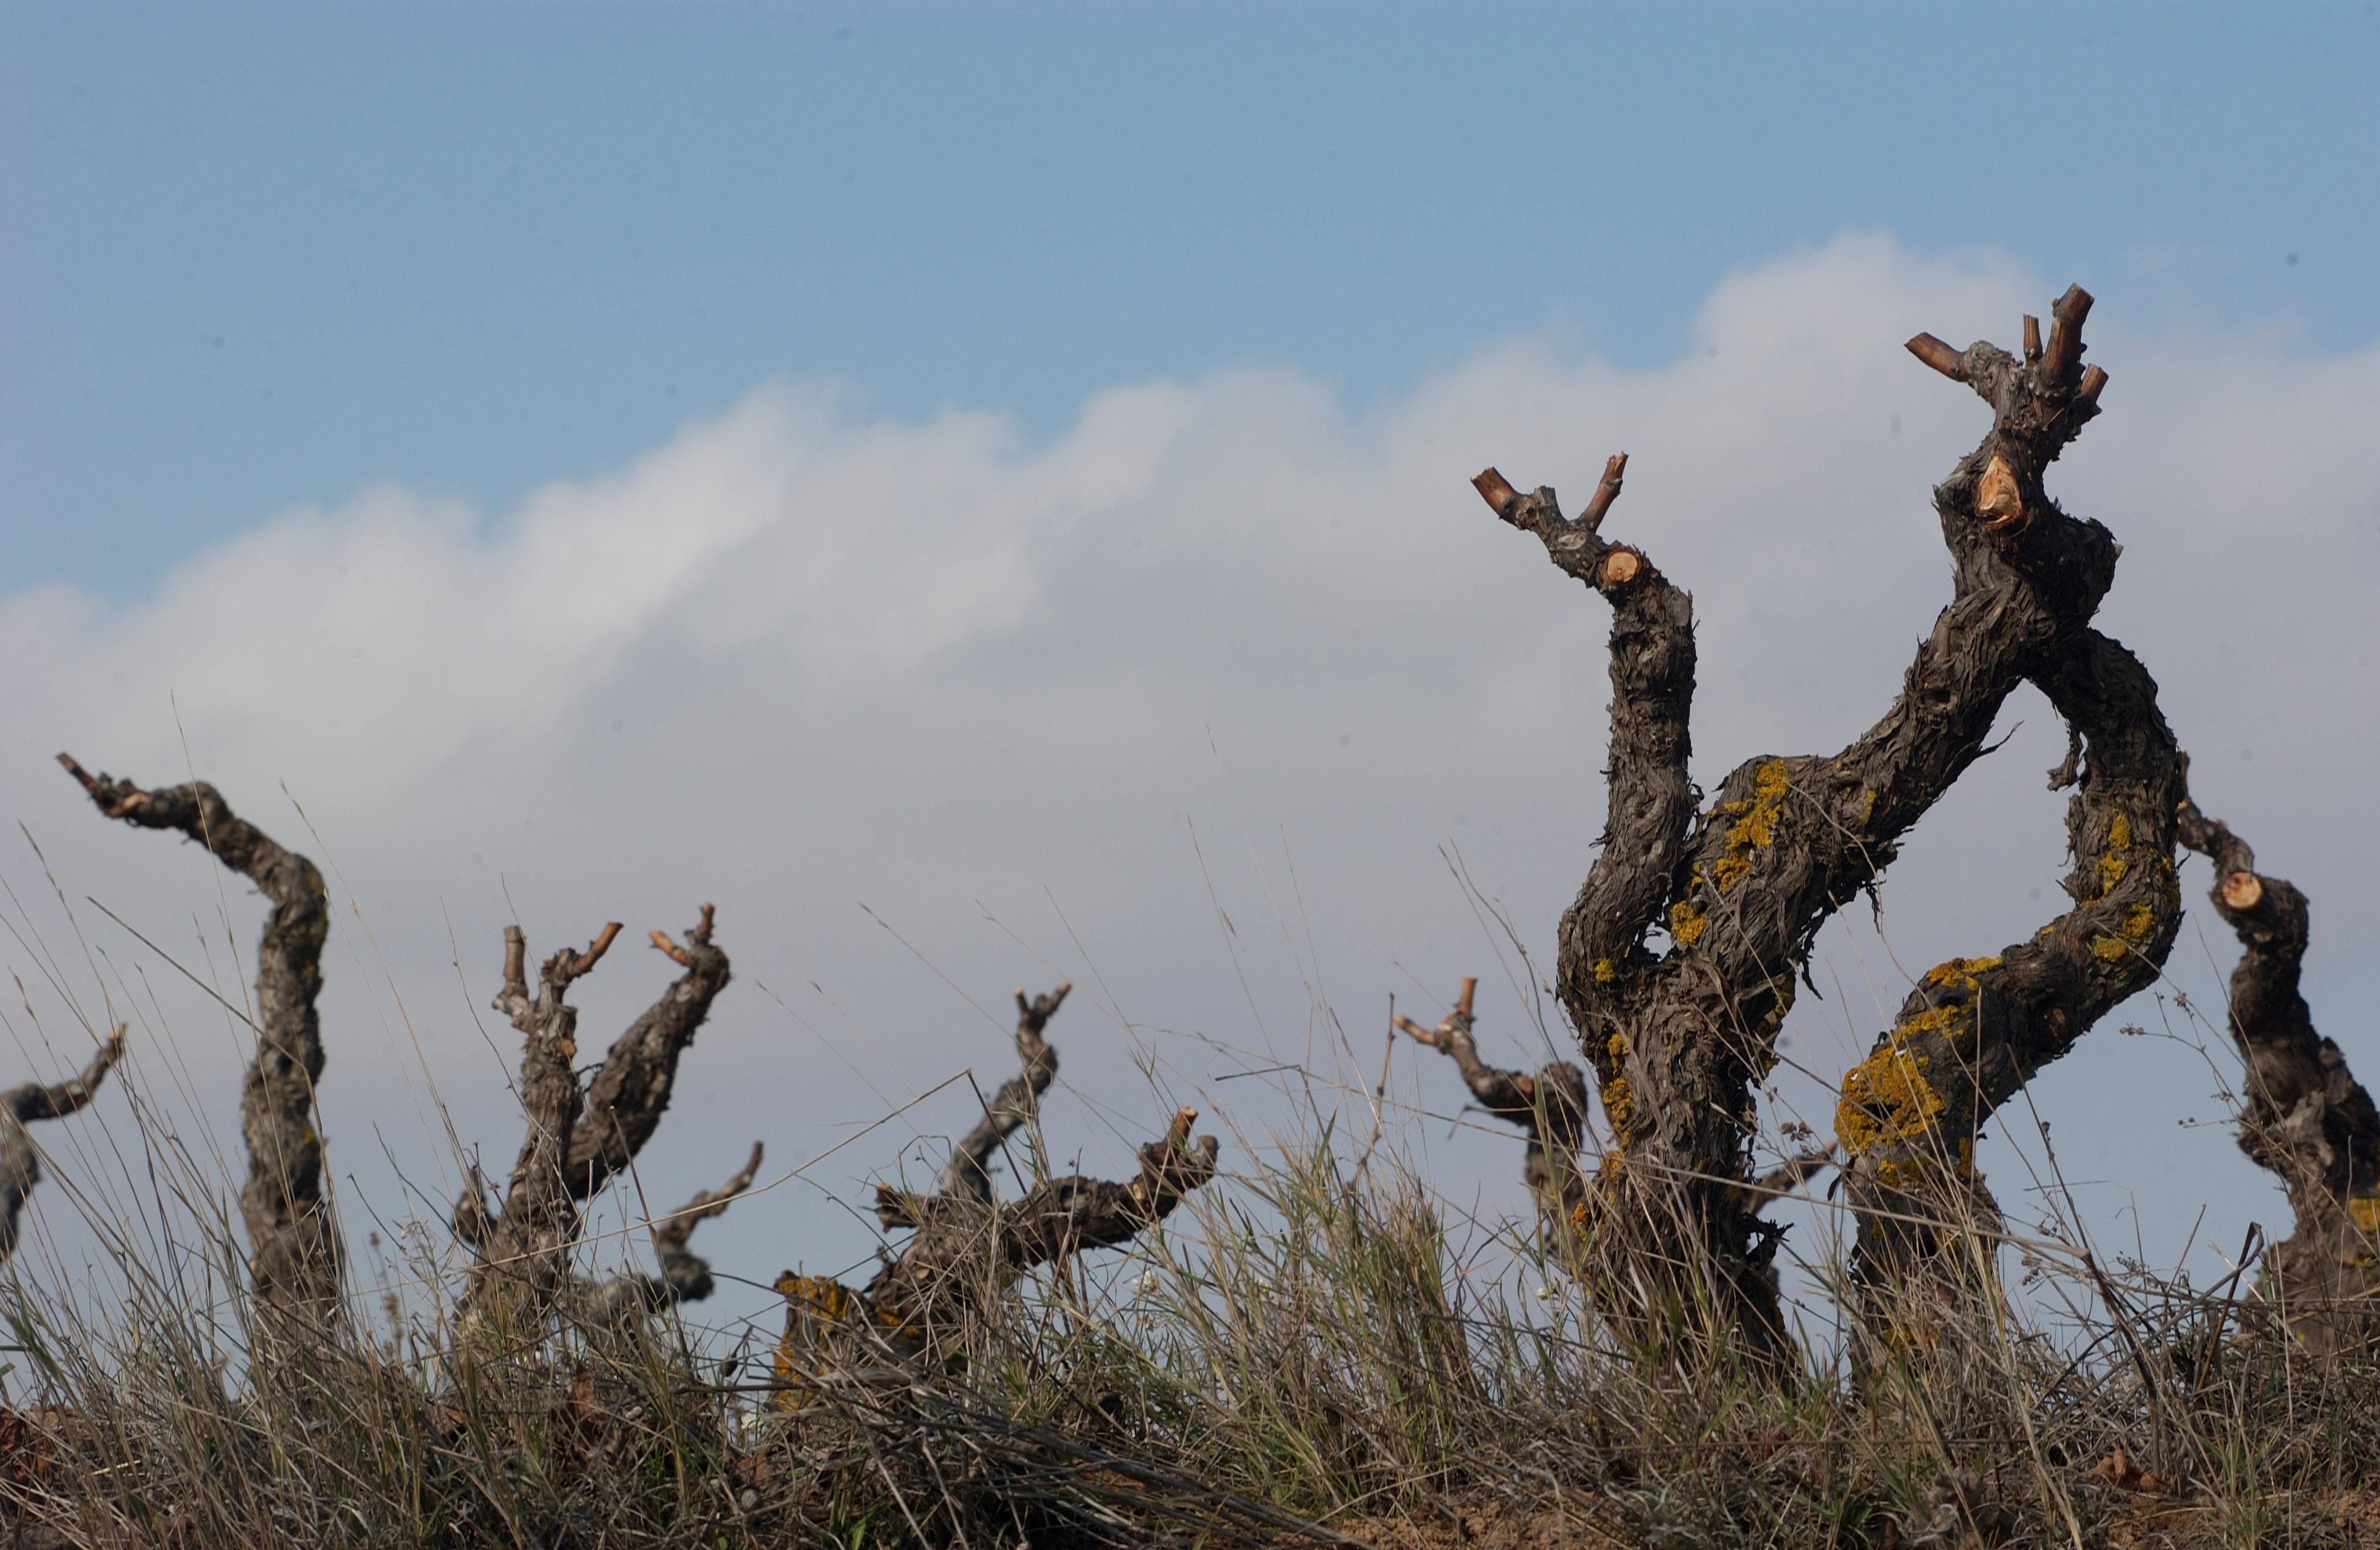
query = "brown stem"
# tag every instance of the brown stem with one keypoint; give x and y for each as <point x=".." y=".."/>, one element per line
<point x="1549" y="1107"/>
<point x="632" y="1090"/>
<point x="21" y="1160"/>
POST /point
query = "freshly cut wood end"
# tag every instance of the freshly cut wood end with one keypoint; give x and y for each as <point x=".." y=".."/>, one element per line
<point x="1997" y="502"/>
<point x="1939" y="355"/>
<point x="1494" y="489"/>
<point x="1620" y="568"/>
<point x="2243" y="891"/>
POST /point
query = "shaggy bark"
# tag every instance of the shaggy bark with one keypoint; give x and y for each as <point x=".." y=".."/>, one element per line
<point x="2307" y="1119"/>
<point x="1679" y="1036"/>
<point x="573" y="1143"/>
<point x="21" y="1160"/>
<point x="1549" y="1107"/>
<point x="293" y="1259"/>
<point x="966" y="1250"/>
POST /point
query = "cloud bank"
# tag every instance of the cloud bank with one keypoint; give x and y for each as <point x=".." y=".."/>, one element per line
<point x="1191" y="705"/>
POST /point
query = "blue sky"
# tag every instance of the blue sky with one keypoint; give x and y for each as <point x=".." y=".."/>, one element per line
<point x="1006" y="467"/>
<point x="263" y="256"/>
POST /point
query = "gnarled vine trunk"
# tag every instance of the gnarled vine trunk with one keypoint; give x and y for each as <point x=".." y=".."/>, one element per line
<point x="294" y="1252"/>
<point x="574" y="1142"/>
<point x="2307" y="1117"/>
<point x="967" y="1249"/>
<point x="1680" y="1031"/>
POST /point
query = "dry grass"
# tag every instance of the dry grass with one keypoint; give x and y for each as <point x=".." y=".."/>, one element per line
<point x="1292" y="1359"/>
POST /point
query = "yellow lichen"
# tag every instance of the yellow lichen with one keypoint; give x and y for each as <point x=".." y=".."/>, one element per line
<point x="2132" y="932"/>
<point x="1606" y="971"/>
<point x="1618" y="1105"/>
<point x="2119" y="833"/>
<point x="1686" y="922"/>
<point x="1960" y="971"/>
<point x="1617" y="1047"/>
<point x="2364" y="1212"/>
<point x="1885" y="1097"/>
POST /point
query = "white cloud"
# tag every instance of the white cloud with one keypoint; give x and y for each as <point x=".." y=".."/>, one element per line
<point x="949" y="673"/>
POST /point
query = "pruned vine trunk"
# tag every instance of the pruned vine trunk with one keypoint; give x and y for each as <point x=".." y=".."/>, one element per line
<point x="1681" y="1031"/>
<point x="294" y="1258"/>
<point x="966" y="1250"/>
<point x="574" y="1142"/>
<point x="2306" y="1119"/>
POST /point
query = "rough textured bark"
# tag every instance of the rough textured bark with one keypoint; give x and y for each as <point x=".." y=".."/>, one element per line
<point x="626" y="1101"/>
<point x="1550" y="1108"/>
<point x="524" y="1246"/>
<point x="965" y="1250"/>
<point x="1679" y="1035"/>
<point x="2306" y="1119"/>
<point x="21" y="1160"/>
<point x="293" y="1259"/>
<point x="574" y="1142"/>
<point x="1973" y="1030"/>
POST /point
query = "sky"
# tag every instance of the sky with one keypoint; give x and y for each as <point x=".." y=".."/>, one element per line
<point x="980" y="494"/>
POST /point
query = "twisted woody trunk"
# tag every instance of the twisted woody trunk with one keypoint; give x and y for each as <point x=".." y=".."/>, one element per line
<point x="1677" y="960"/>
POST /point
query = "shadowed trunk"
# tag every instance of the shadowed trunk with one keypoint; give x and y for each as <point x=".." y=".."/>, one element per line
<point x="294" y="1255"/>
<point x="1681" y="1032"/>
<point x="21" y="1160"/>
<point x="2307" y="1119"/>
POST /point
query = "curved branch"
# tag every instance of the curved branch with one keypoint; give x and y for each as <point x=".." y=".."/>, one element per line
<point x="966" y="1251"/>
<point x="1975" y="1030"/>
<point x="1551" y="1107"/>
<point x="292" y="1242"/>
<point x="1649" y="800"/>
<point x="1018" y="1098"/>
<point x="686" y="1276"/>
<point x="626" y="1101"/>
<point x="21" y="1160"/>
<point x="1679" y="1038"/>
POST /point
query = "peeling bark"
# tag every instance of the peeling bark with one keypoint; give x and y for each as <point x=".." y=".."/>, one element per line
<point x="1679" y="1036"/>
<point x="21" y="1160"/>
<point x="2307" y="1119"/>
<point x="1549" y="1107"/>
<point x="965" y="1250"/>
<point x="574" y="1142"/>
<point x="294" y="1254"/>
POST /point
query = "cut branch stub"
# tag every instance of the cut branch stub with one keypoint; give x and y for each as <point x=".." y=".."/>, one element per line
<point x="1549" y="1107"/>
<point x="2063" y="358"/>
<point x="21" y="1160"/>
<point x="294" y="1260"/>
